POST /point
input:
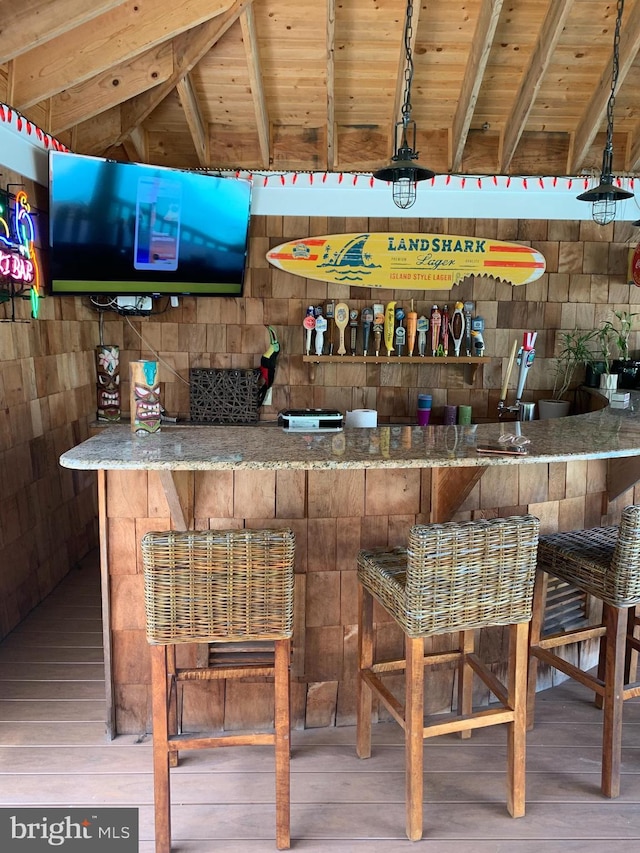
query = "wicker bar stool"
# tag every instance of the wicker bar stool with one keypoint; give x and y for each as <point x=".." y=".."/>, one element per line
<point x="219" y="587"/>
<point x="451" y="578"/>
<point x="605" y="563"/>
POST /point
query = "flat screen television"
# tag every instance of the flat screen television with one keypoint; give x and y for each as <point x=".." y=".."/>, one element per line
<point x="129" y="228"/>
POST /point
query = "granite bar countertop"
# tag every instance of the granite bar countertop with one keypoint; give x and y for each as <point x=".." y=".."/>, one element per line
<point x="604" y="434"/>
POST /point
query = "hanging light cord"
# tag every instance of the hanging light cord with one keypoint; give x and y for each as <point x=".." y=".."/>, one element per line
<point x="408" y="70"/>
<point x="615" y="68"/>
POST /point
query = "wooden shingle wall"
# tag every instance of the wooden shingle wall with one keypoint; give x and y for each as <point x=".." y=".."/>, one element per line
<point x="47" y="375"/>
<point x="47" y="399"/>
<point x="586" y="278"/>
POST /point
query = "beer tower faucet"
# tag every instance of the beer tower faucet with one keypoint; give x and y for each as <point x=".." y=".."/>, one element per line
<point x="526" y="354"/>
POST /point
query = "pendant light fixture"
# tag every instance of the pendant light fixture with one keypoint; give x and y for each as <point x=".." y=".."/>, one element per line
<point x="606" y="195"/>
<point x="403" y="172"/>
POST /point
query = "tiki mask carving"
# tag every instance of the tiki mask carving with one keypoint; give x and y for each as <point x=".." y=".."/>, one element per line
<point x="145" y="397"/>
<point x="108" y="382"/>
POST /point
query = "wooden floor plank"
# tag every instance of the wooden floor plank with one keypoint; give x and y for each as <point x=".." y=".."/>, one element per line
<point x="53" y="750"/>
<point x="53" y="671"/>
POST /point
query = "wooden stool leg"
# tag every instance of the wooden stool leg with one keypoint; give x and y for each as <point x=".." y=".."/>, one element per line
<point x="631" y="655"/>
<point x="160" y="717"/>
<point x="601" y="672"/>
<point x="282" y="739"/>
<point x="535" y="632"/>
<point x="365" y="661"/>
<point x="465" y="678"/>
<point x="175" y="714"/>
<point x="414" y="741"/>
<point x="517" y="730"/>
<point x="615" y="619"/>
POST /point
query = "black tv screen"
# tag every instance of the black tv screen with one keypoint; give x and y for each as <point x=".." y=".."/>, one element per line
<point x="129" y="228"/>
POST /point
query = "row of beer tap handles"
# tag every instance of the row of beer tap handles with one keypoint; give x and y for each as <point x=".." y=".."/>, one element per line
<point x="524" y="360"/>
<point x="442" y="333"/>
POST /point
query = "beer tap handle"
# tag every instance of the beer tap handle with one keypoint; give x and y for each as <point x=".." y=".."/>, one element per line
<point x="436" y="320"/>
<point x="389" y="325"/>
<point x="412" y="326"/>
<point x="309" y="324"/>
<point x="525" y="360"/>
<point x="321" y="328"/>
<point x="468" y="308"/>
<point x="353" y="330"/>
<point x="507" y="375"/>
<point x="422" y="327"/>
<point x="367" y="320"/>
<point x="378" y="326"/>
<point x="342" y="319"/>
<point x="401" y="332"/>
<point x="457" y="326"/>
<point x="329" y="313"/>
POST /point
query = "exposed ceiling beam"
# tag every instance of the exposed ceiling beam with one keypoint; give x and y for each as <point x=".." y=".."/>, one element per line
<point x="112" y="87"/>
<point x="596" y="110"/>
<point x="188" y="50"/>
<point x="193" y="115"/>
<point x="94" y="46"/>
<point x="473" y="76"/>
<point x="530" y="84"/>
<point x="137" y="146"/>
<point x="29" y="23"/>
<point x="250" y="41"/>
<point x="331" y="75"/>
<point x="632" y="163"/>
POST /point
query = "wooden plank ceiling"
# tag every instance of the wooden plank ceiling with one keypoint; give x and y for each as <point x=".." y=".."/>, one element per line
<point x="500" y="86"/>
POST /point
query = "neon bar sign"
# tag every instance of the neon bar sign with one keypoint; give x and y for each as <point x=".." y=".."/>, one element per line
<point x="18" y="262"/>
<point x="16" y="267"/>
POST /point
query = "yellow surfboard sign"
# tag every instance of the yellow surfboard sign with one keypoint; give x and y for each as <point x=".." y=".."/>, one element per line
<point x="405" y="260"/>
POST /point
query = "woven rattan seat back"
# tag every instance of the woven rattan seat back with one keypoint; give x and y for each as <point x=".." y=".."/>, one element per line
<point x="450" y="579"/>
<point x="456" y="576"/>
<point x="604" y="561"/>
<point x="218" y="585"/>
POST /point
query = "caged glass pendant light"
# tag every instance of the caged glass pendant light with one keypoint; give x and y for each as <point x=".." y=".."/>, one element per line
<point x="403" y="172"/>
<point x="605" y="196"/>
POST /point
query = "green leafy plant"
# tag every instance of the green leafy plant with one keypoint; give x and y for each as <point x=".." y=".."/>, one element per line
<point x="605" y="336"/>
<point x="621" y="331"/>
<point x="575" y="352"/>
<point x="614" y="333"/>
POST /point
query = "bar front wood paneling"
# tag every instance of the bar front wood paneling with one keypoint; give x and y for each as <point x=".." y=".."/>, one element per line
<point x="334" y="514"/>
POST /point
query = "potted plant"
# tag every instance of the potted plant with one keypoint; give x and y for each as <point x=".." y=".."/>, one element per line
<point x="574" y="353"/>
<point x="605" y="335"/>
<point x="626" y="367"/>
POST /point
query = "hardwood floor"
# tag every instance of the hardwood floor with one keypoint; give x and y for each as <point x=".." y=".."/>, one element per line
<point x="53" y="751"/>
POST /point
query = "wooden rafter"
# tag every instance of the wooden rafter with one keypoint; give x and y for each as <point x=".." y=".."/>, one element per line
<point x="596" y="110"/>
<point x="473" y="76"/>
<point x="250" y="40"/>
<point x="530" y="84"/>
<point x="321" y="86"/>
<point x="331" y="71"/>
<point x="30" y="23"/>
<point x="96" y="45"/>
<point x="80" y="103"/>
<point x="136" y="145"/>
<point x="188" y="50"/>
<point x="633" y="154"/>
<point x="193" y="115"/>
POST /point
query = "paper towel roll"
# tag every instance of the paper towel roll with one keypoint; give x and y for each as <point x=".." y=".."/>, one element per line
<point x="361" y="418"/>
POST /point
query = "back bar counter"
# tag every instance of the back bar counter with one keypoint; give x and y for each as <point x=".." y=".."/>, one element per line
<point x="339" y="492"/>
